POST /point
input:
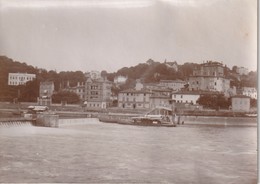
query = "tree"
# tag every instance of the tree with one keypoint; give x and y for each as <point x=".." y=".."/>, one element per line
<point x="65" y="96"/>
<point x="30" y="91"/>
<point x="103" y="73"/>
<point x="214" y="101"/>
<point x="234" y="69"/>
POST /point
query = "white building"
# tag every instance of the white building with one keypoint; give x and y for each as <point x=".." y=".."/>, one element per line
<point x="242" y="70"/>
<point x="175" y="85"/>
<point x="190" y="97"/>
<point x="134" y="99"/>
<point x="120" y="79"/>
<point x="15" y="79"/>
<point x="240" y="103"/>
<point x="250" y="92"/>
<point x="94" y="75"/>
<point x="173" y="65"/>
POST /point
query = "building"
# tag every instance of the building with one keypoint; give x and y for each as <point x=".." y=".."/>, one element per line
<point x="209" y="76"/>
<point x="209" y="68"/>
<point x="209" y="83"/>
<point x="45" y="93"/>
<point x="15" y="79"/>
<point x="242" y="70"/>
<point x="160" y="101"/>
<point x="118" y="80"/>
<point x="79" y="90"/>
<point x="134" y="99"/>
<point x="190" y="97"/>
<point x="250" y="92"/>
<point x="95" y="75"/>
<point x="173" y="65"/>
<point x="175" y="85"/>
<point x="240" y="103"/>
<point x="97" y="94"/>
<point x="152" y="86"/>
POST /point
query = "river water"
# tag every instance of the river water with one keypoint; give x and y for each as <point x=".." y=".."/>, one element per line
<point x="89" y="151"/>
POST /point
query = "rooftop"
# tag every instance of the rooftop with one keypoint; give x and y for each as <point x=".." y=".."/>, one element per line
<point x="135" y="91"/>
<point x="198" y="92"/>
<point x="240" y="96"/>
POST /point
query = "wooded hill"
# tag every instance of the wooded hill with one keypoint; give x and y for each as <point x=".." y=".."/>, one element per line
<point x="150" y="71"/>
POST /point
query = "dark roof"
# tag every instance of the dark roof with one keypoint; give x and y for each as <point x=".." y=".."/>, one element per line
<point x="219" y="76"/>
<point x="162" y="90"/>
<point x="160" y="96"/>
<point x="135" y="91"/>
<point x="198" y="92"/>
<point x="240" y="96"/>
<point x="177" y="81"/>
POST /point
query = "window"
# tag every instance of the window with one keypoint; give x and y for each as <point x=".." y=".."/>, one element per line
<point x="181" y="96"/>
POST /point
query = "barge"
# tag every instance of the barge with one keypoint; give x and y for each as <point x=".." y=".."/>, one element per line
<point x="160" y="116"/>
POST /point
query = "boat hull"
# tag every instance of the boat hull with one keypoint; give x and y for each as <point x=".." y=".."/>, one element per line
<point x="129" y="121"/>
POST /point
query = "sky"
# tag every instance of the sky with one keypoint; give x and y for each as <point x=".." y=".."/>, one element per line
<point x="87" y="35"/>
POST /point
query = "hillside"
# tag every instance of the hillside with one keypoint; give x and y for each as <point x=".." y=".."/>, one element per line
<point x="149" y="72"/>
<point x="30" y="92"/>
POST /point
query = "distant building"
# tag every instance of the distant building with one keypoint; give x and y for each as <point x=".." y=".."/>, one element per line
<point x="160" y="98"/>
<point x="134" y="99"/>
<point x="209" y="76"/>
<point x="242" y="70"/>
<point x="240" y="103"/>
<point x="139" y="85"/>
<point x="173" y="65"/>
<point x="97" y="93"/>
<point x="15" y="79"/>
<point x="209" y="68"/>
<point x="250" y="92"/>
<point x="118" y="80"/>
<point x="79" y="90"/>
<point x="94" y="75"/>
<point x="45" y="93"/>
<point x="175" y="85"/>
<point x="190" y="97"/>
<point x="152" y="86"/>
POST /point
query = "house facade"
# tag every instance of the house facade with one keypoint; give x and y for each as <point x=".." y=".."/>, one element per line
<point x="240" y="103"/>
<point x="94" y="75"/>
<point x="15" y="79"/>
<point x="160" y="98"/>
<point x="134" y="99"/>
<point x="118" y="80"/>
<point x="46" y="91"/>
<point x="190" y="97"/>
<point x="175" y="85"/>
<point x="242" y="70"/>
<point x="79" y="90"/>
<point x="209" y="76"/>
<point x="209" y="83"/>
<point x="97" y="93"/>
<point x="250" y="92"/>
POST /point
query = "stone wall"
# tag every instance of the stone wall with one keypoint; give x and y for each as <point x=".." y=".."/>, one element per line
<point x="47" y="120"/>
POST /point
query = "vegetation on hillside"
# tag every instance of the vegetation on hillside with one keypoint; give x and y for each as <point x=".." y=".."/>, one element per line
<point x="149" y="72"/>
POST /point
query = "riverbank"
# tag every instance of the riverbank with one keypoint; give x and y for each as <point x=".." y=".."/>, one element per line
<point x="9" y="110"/>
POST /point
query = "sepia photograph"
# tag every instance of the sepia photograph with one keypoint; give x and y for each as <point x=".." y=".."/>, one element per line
<point x="129" y="91"/>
